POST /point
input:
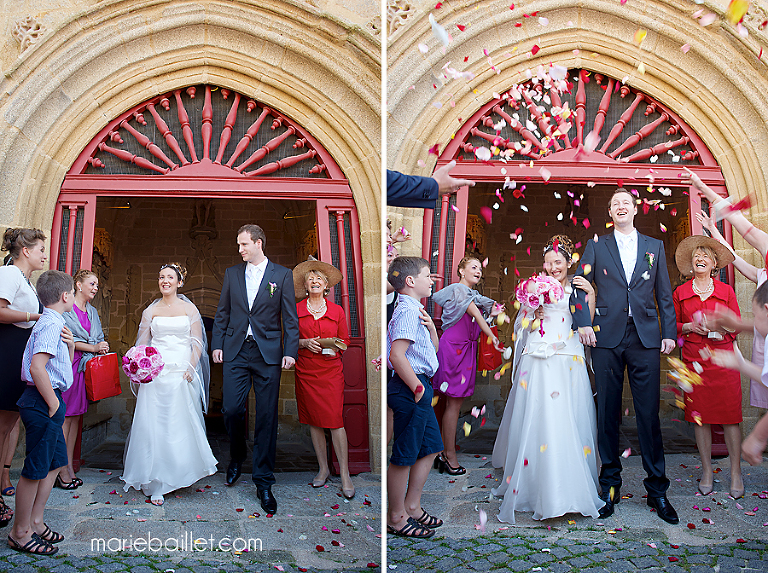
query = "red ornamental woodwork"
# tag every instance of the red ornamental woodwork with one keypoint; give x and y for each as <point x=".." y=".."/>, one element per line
<point x="131" y="139"/>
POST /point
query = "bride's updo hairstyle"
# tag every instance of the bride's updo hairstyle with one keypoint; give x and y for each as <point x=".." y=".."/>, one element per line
<point x="181" y="272"/>
<point x="560" y="244"/>
<point x="464" y="262"/>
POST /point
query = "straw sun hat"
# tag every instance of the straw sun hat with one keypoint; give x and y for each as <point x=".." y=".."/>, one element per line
<point x="686" y="248"/>
<point x="301" y="270"/>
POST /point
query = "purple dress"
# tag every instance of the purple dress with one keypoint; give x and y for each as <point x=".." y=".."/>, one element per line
<point x="457" y="354"/>
<point x="74" y="398"/>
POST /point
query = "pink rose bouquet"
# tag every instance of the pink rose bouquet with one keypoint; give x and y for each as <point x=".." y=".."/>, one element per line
<point x="142" y="364"/>
<point x="538" y="290"/>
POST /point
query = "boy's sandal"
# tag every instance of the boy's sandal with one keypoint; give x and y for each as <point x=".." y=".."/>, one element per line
<point x="36" y="546"/>
<point x="412" y="528"/>
<point x="429" y="521"/>
<point x="60" y="483"/>
<point x="6" y="514"/>
<point x="51" y="536"/>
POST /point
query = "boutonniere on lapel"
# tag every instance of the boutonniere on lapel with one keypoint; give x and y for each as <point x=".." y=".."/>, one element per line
<point x="272" y="289"/>
<point x="649" y="257"/>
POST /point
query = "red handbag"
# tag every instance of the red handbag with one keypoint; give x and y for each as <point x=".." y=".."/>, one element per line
<point x="488" y="358"/>
<point x="102" y="377"/>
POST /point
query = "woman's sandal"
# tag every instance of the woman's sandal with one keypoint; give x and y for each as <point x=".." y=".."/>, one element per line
<point x="60" y="483"/>
<point x="78" y="481"/>
<point x="412" y="528"/>
<point x="51" y="536"/>
<point x="429" y="521"/>
<point x="157" y="500"/>
<point x="36" y="546"/>
<point x="10" y="490"/>
<point x="449" y="469"/>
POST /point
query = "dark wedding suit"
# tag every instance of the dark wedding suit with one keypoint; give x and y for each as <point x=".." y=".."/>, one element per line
<point x="260" y="359"/>
<point x="411" y="190"/>
<point x="633" y="342"/>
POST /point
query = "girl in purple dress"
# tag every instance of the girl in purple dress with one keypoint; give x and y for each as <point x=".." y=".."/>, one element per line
<point x="465" y="314"/>
<point x="83" y="321"/>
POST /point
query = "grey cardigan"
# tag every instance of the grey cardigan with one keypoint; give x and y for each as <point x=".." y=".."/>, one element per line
<point x="95" y="336"/>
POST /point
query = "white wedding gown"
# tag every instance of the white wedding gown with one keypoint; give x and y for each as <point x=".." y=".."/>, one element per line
<point x="547" y="438"/>
<point x="167" y="448"/>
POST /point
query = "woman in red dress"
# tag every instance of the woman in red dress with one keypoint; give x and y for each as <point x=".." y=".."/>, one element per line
<point x="323" y="336"/>
<point x="717" y="400"/>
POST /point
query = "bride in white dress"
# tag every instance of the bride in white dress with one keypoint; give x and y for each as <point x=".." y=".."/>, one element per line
<point x="547" y="438"/>
<point x="167" y="448"/>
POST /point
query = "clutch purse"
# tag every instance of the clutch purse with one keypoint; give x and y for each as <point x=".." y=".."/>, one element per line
<point x="333" y="343"/>
<point x="488" y="358"/>
<point x="102" y="377"/>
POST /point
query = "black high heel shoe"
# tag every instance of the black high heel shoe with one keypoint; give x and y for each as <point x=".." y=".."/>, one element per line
<point x="448" y="468"/>
<point x="6" y="514"/>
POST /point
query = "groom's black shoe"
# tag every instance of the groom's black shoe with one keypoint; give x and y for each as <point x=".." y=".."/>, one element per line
<point x="233" y="472"/>
<point x="664" y="509"/>
<point x="607" y="509"/>
<point x="268" y="501"/>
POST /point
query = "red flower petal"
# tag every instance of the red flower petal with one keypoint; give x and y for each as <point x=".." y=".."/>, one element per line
<point x="535" y="50"/>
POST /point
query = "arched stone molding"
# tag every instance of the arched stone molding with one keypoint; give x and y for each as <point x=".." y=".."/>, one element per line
<point x="322" y="74"/>
<point x="717" y="87"/>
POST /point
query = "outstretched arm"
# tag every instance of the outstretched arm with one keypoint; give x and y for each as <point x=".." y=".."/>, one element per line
<point x="754" y="236"/>
<point x="749" y="271"/>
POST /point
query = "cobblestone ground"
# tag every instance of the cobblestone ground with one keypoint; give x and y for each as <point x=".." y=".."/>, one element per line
<point x="135" y="563"/>
<point x="540" y="552"/>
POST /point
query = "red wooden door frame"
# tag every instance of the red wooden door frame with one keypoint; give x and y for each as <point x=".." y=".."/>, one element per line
<point x="331" y="195"/>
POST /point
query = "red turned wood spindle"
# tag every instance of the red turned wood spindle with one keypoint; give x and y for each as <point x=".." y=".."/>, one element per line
<point x="343" y="265"/>
<point x="71" y="239"/>
<point x="544" y="125"/>
<point x="130" y="158"/>
<point x="229" y="123"/>
<point x="581" y="105"/>
<point x="605" y="103"/>
<point x="96" y="162"/>
<point x="556" y="102"/>
<point x="165" y="103"/>
<point x="248" y="137"/>
<point x="644" y="154"/>
<point x="319" y="168"/>
<point x="518" y="127"/>
<point x="207" y="128"/>
<point x="115" y="136"/>
<point x="625" y="117"/>
<point x="281" y="164"/>
<point x="271" y="145"/>
<point x="186" y="130"/>
<point x="250" y="106"/>
<point x="225" y="93"/>
<point x="139" y="116"/>
<point x="191" y="91"/>
<point x="167" y="135"/>
<point x="690" y="155"/>
<point x="641" y="134"/>
<point x="147" y="143"/>
<point x="301" y="143"/>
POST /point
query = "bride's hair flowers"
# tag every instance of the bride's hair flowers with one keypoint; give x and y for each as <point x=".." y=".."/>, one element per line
<point x="142" y="364"/>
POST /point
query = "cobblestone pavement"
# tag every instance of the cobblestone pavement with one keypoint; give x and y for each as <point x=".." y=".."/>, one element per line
<point x="715" y="533"/>
<point x="204" y="528"/>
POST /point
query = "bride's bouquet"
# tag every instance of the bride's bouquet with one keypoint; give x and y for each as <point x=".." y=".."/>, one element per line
<point x="142" y="364"/>
<point x="538" y="290"/>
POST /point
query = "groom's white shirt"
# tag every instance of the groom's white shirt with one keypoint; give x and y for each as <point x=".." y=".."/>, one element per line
<point x="253" y="276"/>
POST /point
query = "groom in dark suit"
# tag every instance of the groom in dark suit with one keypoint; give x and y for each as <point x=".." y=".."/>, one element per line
<point x="630" y="273"/>
<point x="256" y="298"/>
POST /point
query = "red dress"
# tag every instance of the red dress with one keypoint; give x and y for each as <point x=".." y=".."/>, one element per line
<point x="718" y="398"/>
<point x="319" y="377"/>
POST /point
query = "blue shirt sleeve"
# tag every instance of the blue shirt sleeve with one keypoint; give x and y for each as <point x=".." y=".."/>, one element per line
<point x="411" y="191"/>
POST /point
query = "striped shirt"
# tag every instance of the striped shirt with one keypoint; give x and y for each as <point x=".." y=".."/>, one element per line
<point x="406" y="324"/>
<point x="46" y="338"/>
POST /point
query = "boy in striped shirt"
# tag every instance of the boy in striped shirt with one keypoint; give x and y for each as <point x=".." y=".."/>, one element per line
<point x="47" y="369"/>
<point x="412" y="354"/>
